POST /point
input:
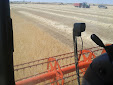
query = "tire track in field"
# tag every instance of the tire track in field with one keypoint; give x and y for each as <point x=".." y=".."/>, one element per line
<point x="97" y="12"/>
<point x="59" y="26"/>
<point x="73" y="17"/>
<point x="53" y="24"/>
<point x="94" y="12"/>
<point x="76" y="12"/>
<point x="89" y="15"/>
<point x="49" y="22"/>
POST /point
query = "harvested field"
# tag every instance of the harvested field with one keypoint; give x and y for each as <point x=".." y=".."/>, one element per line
<point x="32" y="43"/>
<point x="43" y="30"/>
<point x="60" y="19"/>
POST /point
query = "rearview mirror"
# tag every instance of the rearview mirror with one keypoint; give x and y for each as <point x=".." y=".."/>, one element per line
<point x="78" y="28"/>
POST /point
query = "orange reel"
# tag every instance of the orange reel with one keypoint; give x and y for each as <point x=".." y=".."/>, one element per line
<point x="54" y="66"/>
<point x="85" y="56"/>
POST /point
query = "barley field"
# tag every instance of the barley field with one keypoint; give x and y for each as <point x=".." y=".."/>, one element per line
<point x="60" y="19"/>
<point x="44" y="30"/>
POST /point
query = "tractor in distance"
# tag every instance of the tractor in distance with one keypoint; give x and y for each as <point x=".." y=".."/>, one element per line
<point x="82" y="5"/>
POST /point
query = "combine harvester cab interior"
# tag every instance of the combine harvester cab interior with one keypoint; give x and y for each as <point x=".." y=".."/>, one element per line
<point x="91" y="66"/>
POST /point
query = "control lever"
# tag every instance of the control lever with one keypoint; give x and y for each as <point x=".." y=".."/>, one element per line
<point x="109" y="49"/>
<point x="97" y="40"/>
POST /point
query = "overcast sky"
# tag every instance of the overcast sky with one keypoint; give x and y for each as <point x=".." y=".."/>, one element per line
<point x="72" y="1"/>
